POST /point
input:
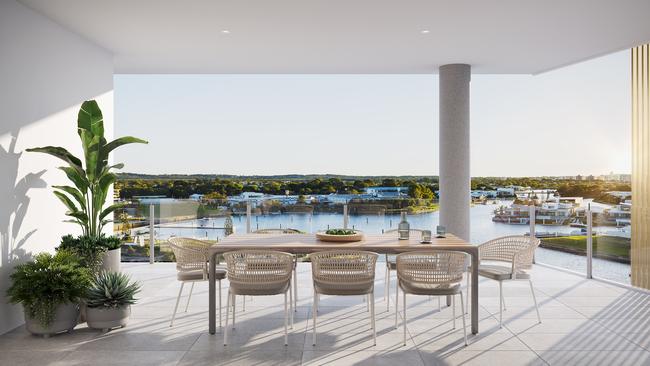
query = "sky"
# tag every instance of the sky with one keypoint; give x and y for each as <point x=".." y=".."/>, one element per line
<point x="574" y="120"/>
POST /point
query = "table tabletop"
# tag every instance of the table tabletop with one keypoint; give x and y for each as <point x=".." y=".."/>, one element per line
<point x="307" y="243"/>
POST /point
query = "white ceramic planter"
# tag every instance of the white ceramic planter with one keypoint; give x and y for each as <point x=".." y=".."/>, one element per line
<point x="65" y="319"/>
<point x="111" y="260"/>
<point x="107" y="318"/>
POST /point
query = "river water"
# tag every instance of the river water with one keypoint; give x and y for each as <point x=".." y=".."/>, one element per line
<point x="482" y="229"/>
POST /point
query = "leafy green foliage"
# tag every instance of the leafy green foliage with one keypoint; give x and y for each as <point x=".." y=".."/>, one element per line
<point x="47" y="282"/>
<point x="93" y="178"/>
<point x="110" y="242"/>
<point x="112" y="290"/>
<point x="340" y="232"/>
<point x="88" y="249"/>
<point x="85" y="248"/>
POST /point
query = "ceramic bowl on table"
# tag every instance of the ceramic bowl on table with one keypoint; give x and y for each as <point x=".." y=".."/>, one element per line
<point x="340" y="235"/>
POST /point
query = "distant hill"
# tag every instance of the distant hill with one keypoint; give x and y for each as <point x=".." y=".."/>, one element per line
<point x="282" y="177"/>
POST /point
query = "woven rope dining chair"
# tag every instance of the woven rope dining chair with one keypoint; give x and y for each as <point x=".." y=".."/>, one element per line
<point x="295" y="259"/>
<point x="258" y="273"/>
<point x="507" y="259"/>
<point x="192" y="266"/>
<point x="432" y="273"/>
<point x="391" y="266"/>
<point x="344" y="273"/>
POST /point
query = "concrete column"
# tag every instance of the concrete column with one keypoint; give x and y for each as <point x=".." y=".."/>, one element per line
<point x="454" y="149"/>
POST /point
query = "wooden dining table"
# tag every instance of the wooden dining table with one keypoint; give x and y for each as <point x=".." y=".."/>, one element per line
<point x="308" y="243"/>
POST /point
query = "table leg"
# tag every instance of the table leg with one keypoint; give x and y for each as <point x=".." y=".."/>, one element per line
<point x="211" y="298"/>
<point x="475" y="262"/>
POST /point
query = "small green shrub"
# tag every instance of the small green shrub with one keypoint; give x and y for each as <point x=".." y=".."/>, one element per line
<point x="47" y="282"/>
<point x="110" y="242"/>
<point x="88" y="250"/>
<point x="112" y="290"/>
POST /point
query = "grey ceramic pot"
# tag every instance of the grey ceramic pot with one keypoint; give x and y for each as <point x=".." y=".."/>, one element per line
<point x="107" y="318"/>
<point x="65" y="319"/>
<point x="111" y="260"/>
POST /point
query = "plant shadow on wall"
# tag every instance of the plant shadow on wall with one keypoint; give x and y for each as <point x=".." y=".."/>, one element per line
<point x="15" y="204"/>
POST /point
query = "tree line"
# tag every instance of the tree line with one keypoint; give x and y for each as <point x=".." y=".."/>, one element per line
<point x="221" y="188"/>
<point x="419" y="187"/>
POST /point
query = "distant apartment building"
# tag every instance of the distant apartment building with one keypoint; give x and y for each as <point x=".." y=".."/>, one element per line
<point x="611" y="177"/>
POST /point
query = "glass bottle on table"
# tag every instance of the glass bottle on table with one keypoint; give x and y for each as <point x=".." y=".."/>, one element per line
<point x="403" y="229"/>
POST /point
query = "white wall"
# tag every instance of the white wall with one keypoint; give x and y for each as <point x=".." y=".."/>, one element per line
<point x="46" y="72"/>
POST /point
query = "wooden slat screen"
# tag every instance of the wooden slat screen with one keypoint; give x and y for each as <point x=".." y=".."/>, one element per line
<point x="640" y="251"/>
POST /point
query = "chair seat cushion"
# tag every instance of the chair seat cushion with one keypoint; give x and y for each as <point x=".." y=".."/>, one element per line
<point x="252" y="289"/>
<point x="419" y="288"/>
<point x="344" y="288"/>
<point x="499" y="273"/>
<point x="197" y="275"/>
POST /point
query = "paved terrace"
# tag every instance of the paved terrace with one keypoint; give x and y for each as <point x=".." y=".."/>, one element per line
<point x="583" y="323"/>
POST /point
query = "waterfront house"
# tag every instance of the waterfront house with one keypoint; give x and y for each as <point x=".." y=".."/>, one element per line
<point x="620" y="215"/>
<point x="387" y="192"/>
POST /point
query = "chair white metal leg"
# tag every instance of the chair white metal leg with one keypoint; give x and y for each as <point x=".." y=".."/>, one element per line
<point x="500" y="304"/>
<point x="234" y="309"/>
<point x="386" y="283"/>
<point x="404" y="320"/>
<point x="314" y="306"/>
<point x="220" y="304"/>
<point x="453" y="310"/>
<point x="225" y="330"/>
<point x="178" y="299"/>
<point x="396" y="303"/>
<point x="439" y="306"/>
<point x="295" y="285"/>
<point x="243" y="306"/>
<point x="187" y="305"/>
<point x="291" y="305"/>
<point x="503" y="301"/>
<point x="286" y="318"/>
<point x="387" y="289"/>
<point x="367" y="299"/>
<point x="539" y="319"/>
<point x="467" y="292"/>
<point x="372" y="318"/>
<point x="462" y="306"/>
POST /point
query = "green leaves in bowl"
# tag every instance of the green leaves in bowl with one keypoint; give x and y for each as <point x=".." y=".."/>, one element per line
<point x="340" y="232"/>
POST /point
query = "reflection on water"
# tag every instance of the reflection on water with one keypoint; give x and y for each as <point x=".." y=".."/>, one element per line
<point x="482" y="229"/>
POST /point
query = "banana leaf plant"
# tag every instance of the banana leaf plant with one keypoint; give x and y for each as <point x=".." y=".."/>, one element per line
<point x="86" y="197"/>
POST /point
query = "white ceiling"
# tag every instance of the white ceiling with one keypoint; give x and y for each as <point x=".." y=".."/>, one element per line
<point x="351" y="36"/>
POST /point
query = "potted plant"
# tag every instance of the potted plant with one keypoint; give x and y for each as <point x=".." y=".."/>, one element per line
<point x="89" y="250"/>
<point x="50" y="288"/>
<point x="109" y="300"/>
<point x="111" y="257"/>
<point x="91" y="181"/>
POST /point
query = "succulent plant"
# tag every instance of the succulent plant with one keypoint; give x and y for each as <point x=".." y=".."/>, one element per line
<point x="112" y="290"/>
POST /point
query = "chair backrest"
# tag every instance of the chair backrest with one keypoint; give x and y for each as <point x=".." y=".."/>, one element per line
<point x="518" y="248"/>
<point x="343" y="266"/>
<point x="258" y="268"/>
<point x="435" y="267"/>
<point x="191" y="254"/>
<point x="276" y="231"/>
